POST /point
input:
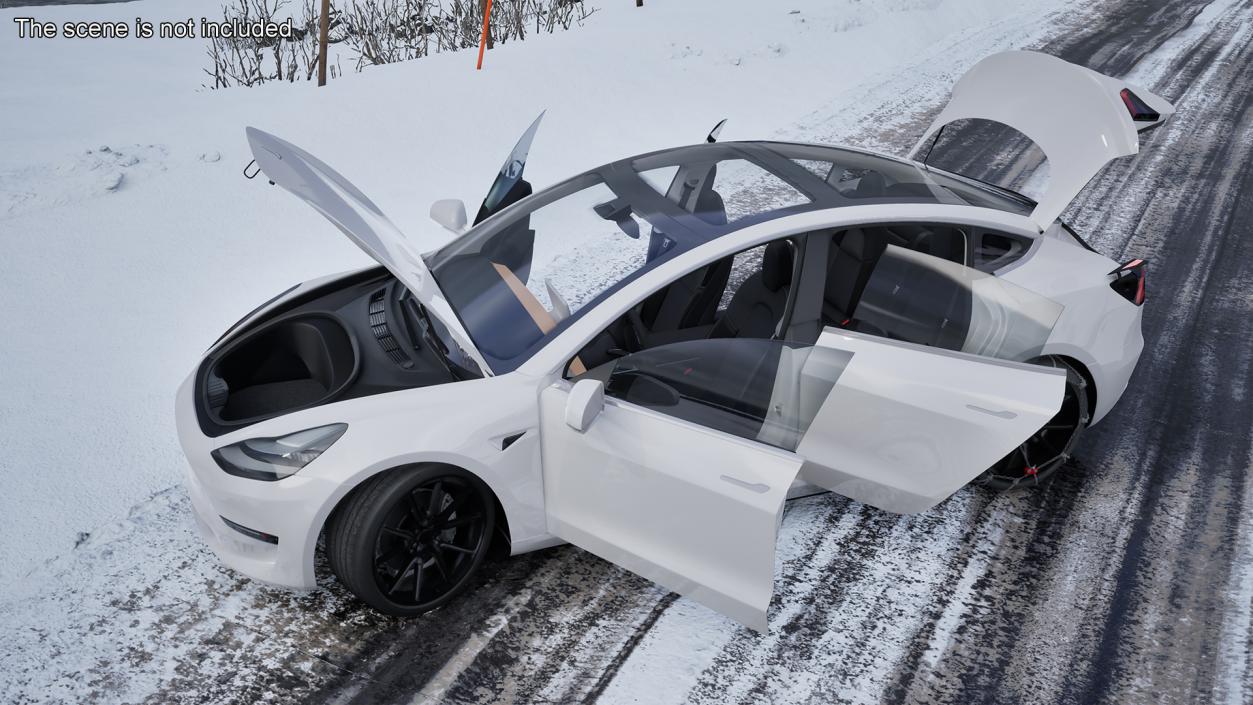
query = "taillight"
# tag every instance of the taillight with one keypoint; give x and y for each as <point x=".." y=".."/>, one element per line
<point x="1140" y="111"/>
<point x="1129" y="280"/>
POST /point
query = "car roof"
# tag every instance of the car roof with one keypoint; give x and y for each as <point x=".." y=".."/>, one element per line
<point x="801" y="167"/>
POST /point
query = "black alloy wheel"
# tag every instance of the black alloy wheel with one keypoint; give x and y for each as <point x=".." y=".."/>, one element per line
<point x="408" y="541"/>
<point x="1041" y="455"/>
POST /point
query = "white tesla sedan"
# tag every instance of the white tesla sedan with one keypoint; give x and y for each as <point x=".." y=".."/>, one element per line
<point x="647" y="359"/>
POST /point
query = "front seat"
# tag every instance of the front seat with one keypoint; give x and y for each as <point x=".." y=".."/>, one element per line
<point x="758" y="306"/>
<point x="850" y="263"/>
<point x="692" y="300"/>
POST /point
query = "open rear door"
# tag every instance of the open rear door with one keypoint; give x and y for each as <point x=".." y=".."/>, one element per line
<point x="1079" y="118"/>
<point x="908" y="425"/>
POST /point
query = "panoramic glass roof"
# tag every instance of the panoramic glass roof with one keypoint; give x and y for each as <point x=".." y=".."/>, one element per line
<point x="522" y="275"/>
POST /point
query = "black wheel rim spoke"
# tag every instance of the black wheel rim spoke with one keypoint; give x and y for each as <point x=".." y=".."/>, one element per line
<point x="453" y="547"/>
<point x="407" y="536"/>
<point x="440" y="566"/>
<point x="415" y="509"/>
<point x="459" y="521"/>
<point x="417" y="581"/>
<point x="429" y="541"/>
<point x="403" y="574"/>
<point x="437" y="494"/>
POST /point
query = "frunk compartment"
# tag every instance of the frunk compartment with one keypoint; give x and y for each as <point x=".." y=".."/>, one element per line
<point x="288" y="364"/>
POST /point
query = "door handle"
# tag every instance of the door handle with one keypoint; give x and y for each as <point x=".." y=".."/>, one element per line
<point x="758" y="487"/>
<point x="990" y="412"/>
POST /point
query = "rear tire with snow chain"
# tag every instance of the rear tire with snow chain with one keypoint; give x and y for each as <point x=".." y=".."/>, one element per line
<point x="1041" y="455"/>
<point x="409" y="540"/>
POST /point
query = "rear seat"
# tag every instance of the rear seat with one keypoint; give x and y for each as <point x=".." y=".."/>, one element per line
<point x="853" y="255"/>
<point x="851" y="260"/>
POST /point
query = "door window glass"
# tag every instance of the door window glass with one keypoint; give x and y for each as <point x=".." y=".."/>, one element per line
<point x="763" y="390"/>
<point x="930" y="301"/>
<point x="743" y="265"/>
<point x="995" y="250"/>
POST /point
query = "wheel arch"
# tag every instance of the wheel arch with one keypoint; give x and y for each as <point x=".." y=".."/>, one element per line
<point x="501" y="536"/>
<point x="1089" y="381"/>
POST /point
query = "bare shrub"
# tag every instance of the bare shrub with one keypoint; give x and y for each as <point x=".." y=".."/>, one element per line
<point x="375" y="32"/>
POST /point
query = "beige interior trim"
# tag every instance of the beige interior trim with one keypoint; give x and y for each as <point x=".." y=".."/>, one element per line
<point x="533" y="307"/>
<point x="543" y="318"/>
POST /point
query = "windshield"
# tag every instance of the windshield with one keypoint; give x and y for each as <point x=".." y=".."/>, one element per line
<point x="521" y="276"/>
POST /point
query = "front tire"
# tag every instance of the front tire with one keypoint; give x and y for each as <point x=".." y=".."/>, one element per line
<point x="408" y="541"/>
<point x="1040" y="456"/>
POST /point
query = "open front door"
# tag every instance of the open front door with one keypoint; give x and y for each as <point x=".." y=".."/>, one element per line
<point x="694" y="510"/>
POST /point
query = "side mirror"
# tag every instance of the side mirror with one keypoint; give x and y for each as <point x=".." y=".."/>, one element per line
<point x="586" y="400"/>
<point x="450" y="213"/>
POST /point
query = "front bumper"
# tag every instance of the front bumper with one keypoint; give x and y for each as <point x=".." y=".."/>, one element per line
<point x="289" y="510"/>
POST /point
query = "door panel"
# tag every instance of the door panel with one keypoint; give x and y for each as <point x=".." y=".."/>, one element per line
<point x="931" y="301"/>
<point x="695" y="511"/>
<point x="906" y="425"/>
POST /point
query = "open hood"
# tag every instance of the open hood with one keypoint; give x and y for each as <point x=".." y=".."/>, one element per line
<point x="1079" y="118"/>
<point x="317" y="184"/>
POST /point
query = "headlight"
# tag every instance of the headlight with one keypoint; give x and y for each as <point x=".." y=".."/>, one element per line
<point x="273" y="459"/>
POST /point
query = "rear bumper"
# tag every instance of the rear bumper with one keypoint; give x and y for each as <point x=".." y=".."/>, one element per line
<point x="286" y="511"/>
<point x="1113" y="373"/>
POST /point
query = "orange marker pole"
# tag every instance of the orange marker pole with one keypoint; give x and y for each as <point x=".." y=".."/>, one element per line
<point x="487" y="16"/>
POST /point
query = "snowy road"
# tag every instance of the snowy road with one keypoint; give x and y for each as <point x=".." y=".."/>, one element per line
<point x="1129" y="579"/>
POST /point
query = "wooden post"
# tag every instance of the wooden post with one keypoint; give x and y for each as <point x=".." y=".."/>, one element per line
<point x="487" y="16"/>
<point x="323" y="30"/>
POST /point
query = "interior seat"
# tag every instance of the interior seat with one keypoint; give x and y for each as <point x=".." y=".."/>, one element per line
<point x="758" y="305"/>
<point x="692" y="300"/>
<point x="872" y="184"/>
<point x="849" y="264"/>
<point x="946" y="243"/>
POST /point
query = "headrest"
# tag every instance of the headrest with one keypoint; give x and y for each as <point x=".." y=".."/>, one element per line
<point x="709" y="206"/>
<point x="854" y="243"/>
<point x="923" y="242"/>
<point x="870" y="185"/>
<point x="863" y="246"/>
<point x="776" y="265"/>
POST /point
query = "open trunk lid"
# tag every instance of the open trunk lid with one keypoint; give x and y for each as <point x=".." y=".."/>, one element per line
<point x="1079" y="118"/>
